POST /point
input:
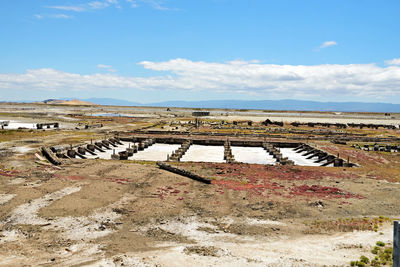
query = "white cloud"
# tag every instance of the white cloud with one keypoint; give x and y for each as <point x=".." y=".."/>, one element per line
<point x="102" y="66"/>
<point x="156" y="4"/>
<point x="395" y="61"/>
<point x="328" y="43"/>
<point x="107" y="67"/>
<point x="133" y="3"/>
<point x="98" y="4"/>
<point x="89" y="6"/>
<point x="61" y="16"/>
<point x="54" y="16"/>
<point x="269" y="80"/>
<point x="102" y="4"/>
<point x="68" y="8"/>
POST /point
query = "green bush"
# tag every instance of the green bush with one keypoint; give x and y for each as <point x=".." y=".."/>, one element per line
<point x="364" y="259"/>
<point x="375" y="250"/>
<point x="375" y="263"/>
<point x="380" y="243"/>
<point x="384" y="256"/>
<point x="388" y="250"/>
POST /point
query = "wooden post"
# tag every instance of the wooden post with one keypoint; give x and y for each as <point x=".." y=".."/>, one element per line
<point x="396" y="244"/>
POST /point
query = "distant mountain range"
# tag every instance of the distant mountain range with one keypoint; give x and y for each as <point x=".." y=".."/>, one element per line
<point x="287" y="104"/>
<point x="297" y="105"/>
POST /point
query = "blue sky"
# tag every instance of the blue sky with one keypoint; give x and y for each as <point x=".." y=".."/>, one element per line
<point x="156" y="50"/>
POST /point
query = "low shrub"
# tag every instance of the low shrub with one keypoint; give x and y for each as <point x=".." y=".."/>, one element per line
<point x="375" y="250"/>
<point x="380" y="243"/>
<point x="384" y="256"/>
<point x="364" y="259"/>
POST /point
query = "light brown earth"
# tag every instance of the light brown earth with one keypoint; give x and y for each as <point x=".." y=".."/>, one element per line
<point x="115" y="213"/>
<point x="73" y="102"/>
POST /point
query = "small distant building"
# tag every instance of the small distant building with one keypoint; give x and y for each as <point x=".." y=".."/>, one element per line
<point x="200" y="113"/>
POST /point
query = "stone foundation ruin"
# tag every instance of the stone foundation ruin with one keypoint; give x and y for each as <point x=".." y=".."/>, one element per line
<point x="197" y="149"/>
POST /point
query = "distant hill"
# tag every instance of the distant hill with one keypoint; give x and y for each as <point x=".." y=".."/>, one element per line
<point x="72" y="102"/>
<point x="288" y="104"/>
<point x="112" y="102"/>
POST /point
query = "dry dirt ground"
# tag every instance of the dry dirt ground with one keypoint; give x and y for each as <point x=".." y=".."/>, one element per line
<point x="123" y="213"/>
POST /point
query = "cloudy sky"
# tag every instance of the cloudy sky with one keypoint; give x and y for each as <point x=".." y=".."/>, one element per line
<point x="157" y="50"/>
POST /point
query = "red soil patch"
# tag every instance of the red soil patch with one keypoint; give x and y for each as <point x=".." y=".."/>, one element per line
<point x="238" y="186"/>
<point x="254" y="189"/>
<point x="8" y="173"/>
<point x="183" y="183"/>
<point x="163" y="192"/>
<point x="256" y="173"/>
<point x="119" y="180"/>
<point x="322" y="192"/>
<point x="267" y="181"/>
<point x="269" y="189"/>
<point x="356" y="155"/>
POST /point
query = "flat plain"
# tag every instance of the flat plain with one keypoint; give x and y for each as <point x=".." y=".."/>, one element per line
<point x="103" y="212"/>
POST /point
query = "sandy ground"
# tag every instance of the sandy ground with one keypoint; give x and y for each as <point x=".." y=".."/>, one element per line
<point x="254" y="115"/>
<point x="104" y="213"/>
<point x="99" y="212"/>
<point x="223" y="249"/>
